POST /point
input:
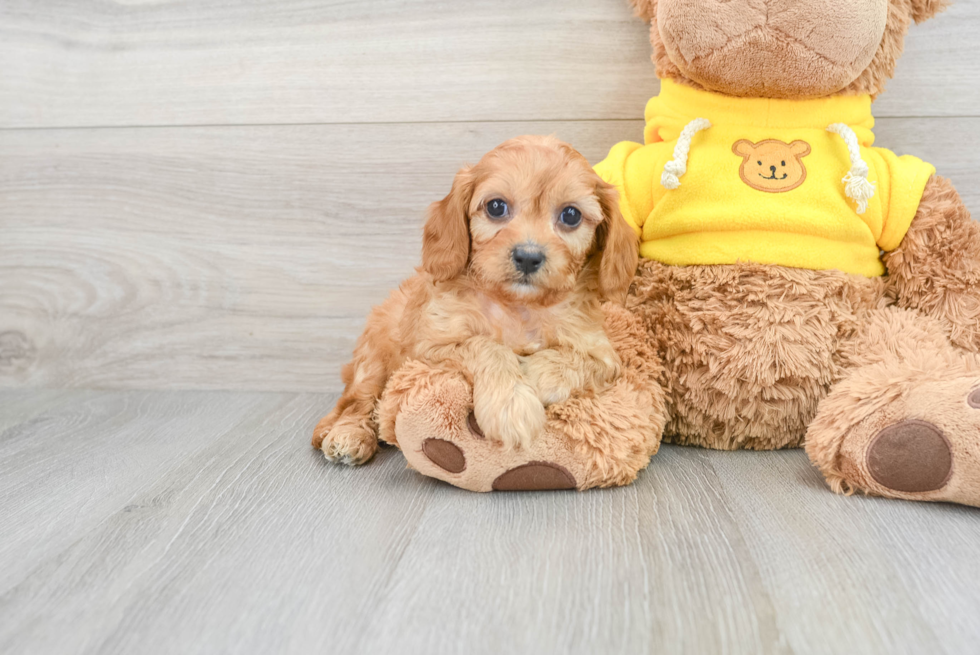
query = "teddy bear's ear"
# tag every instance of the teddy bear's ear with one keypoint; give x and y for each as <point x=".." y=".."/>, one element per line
<point x="645" y="9"/>
<point x="923" y="10"/>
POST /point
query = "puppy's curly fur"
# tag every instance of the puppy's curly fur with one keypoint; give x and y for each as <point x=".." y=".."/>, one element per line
<point x="508" y="294"/>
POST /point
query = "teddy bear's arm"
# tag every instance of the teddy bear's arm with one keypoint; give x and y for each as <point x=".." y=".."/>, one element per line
<point x="635" y="170"/>
<point x="936" y="268"/>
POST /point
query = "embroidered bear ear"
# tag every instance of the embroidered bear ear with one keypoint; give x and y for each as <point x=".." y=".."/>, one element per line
<point x="800" y="148"/>
<point x="923" y="10"/>
<point x="743" y="148"/>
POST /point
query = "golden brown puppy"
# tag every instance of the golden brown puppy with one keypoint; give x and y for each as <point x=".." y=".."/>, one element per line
<point x="515" y="262"/>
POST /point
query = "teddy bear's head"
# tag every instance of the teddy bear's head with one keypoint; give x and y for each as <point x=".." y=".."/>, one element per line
<point x="781" y="48"/>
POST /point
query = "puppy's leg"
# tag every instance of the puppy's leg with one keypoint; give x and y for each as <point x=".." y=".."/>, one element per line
<point x="505" y="405"/>
<point x="556" y="372"/>
<point x="349" y="434"/>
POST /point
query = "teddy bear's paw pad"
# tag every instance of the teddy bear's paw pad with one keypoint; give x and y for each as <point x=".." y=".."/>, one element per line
<point x="973" y="400"/>
<point x="445" y="454"/>
<point x="535" y="476"/>
<point x="474" y="427"/>
<point x="912" y="456"/>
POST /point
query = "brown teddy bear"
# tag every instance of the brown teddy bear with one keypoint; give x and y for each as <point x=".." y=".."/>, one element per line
<point x="797" y="286"/>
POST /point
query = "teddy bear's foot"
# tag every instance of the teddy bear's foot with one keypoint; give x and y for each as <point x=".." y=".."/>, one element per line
<point x="901" y="432"/>
<point x="451" y="458"/>
<point x="440" y="437"/>
<point x="591" y="439"/>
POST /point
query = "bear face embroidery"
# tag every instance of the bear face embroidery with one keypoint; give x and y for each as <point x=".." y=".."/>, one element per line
<point x="772" y="165"/>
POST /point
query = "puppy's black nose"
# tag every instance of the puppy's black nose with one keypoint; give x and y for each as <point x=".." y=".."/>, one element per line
<point x="527" y="260"/>
<point x="773" y="169"/>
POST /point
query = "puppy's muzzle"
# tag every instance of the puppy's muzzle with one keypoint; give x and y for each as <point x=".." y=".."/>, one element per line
<point x="527" y="259"/>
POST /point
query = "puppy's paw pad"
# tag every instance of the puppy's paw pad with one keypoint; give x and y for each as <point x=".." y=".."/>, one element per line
<point x="535" y="476"/>
<point x="445" y="454"/>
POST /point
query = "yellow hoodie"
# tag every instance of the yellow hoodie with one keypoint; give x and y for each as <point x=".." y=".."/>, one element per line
<point x="787" y="182"/>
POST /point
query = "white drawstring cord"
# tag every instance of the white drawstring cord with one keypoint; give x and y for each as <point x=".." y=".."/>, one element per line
<point x="857" y="187"/>
<point x="671" y="179"/>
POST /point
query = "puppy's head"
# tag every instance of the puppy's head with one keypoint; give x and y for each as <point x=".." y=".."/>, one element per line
<point x="529" y="222"/>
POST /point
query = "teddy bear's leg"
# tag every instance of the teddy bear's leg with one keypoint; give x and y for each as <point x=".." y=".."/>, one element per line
<point x="590" y="440"/>
<point x="601" y="440"/>
<point x="905" y="423"/>
<point x="936" y="269"/>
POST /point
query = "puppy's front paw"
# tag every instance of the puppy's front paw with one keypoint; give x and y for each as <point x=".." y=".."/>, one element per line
<point x="546" y="375"/>
<point x="513" y="418"/>
<point x="608" y="367"/>
<point x="348" y="444"/>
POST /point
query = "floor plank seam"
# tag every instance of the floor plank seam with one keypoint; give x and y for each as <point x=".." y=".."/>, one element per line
<point x="490" y="121"/>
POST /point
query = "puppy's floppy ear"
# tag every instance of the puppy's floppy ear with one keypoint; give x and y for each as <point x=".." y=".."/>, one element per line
<point x="923" y="10"/>
<point x="617" y="243"/>
<point x="446" y="239"/>
<point x="645" y="9"/>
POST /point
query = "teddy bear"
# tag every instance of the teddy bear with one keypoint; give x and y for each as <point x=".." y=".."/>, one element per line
<point x="798" y="286"/>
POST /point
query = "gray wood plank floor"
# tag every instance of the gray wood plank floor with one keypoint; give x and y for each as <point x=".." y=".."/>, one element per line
<point x="202" y="522"/>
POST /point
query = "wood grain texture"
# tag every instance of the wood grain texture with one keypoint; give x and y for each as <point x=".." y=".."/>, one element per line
<point x="69" y="63"/>
<point x="54" y="464"/>
<point x="839" y="561"/>
<point x="249" y="257"/>
<point x="301" y="61"/>
<point x="21" y="405"/>
<point x="248" y="542"/>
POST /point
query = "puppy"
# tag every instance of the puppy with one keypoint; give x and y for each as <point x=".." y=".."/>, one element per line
<point x="515" y="263"/>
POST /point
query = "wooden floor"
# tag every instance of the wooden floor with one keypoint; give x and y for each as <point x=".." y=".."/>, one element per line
<point x="196" y="522"/>
<point x="199" y="203"/>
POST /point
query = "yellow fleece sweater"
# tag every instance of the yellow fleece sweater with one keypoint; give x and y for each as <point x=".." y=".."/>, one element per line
<point x="764" y="183"/>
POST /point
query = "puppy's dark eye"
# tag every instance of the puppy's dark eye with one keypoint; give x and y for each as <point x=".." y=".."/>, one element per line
<point x="497" y="208"/>
<point x="783" y="163"/>
<point x="760" y="163"/>
<point x="570" y="217"/>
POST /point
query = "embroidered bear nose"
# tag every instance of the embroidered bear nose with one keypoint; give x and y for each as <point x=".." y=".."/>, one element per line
<point x="773" y="169"/>
<point x="527" y="260"/>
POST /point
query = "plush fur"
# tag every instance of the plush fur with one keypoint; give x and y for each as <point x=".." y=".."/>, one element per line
<point x="901" y="366"/>
<point x="601" y="438"/>
<point x="756" y="356"/>
<point x="750" y="350"/>
<point x="523" y="337"/>
<point x="803" y="57"/>
<point x="936" y="270"/>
